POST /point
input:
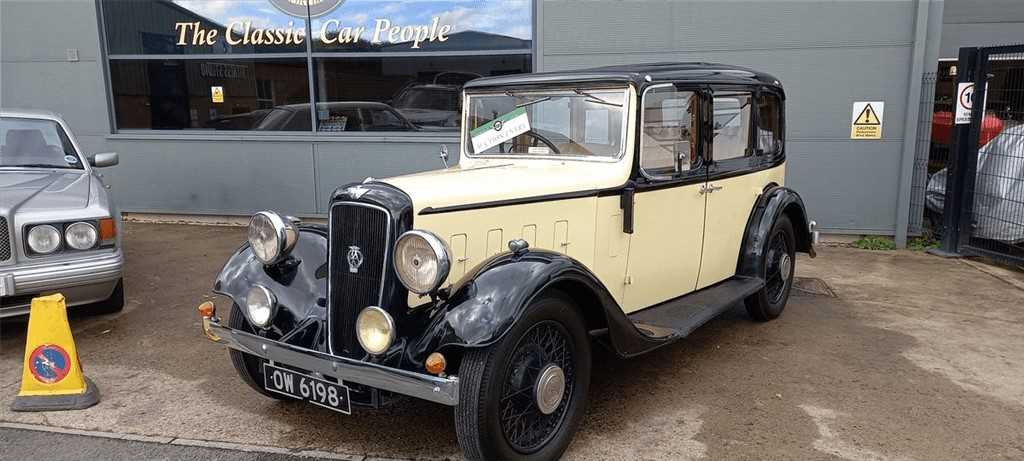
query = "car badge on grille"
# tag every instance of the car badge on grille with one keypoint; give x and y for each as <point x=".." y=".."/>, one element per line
<point x="355" y="259"/>
<point x="357" y="191"/>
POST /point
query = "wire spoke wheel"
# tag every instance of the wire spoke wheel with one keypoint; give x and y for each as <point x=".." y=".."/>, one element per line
<point x="780" y="264"/>
<point x="537" y="387"/>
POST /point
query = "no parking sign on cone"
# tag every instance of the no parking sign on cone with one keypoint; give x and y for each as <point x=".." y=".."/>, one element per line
<point x="51" y="378"/>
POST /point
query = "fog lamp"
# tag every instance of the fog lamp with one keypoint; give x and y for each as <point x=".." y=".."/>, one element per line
<point x="375" y="330"/>
<point x="260" y="303"/>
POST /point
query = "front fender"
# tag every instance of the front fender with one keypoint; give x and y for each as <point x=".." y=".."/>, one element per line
<point x="299" y="283"/>
<point x="769" y="206"/>
<point x="485" y="304"/>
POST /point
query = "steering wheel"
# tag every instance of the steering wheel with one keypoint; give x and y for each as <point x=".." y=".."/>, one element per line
<point x="536" y="137"/>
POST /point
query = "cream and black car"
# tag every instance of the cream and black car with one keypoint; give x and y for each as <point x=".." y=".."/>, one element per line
<point x="622" y="206"/>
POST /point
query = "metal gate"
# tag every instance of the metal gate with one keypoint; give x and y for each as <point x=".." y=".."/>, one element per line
<point x="984" y="214"/>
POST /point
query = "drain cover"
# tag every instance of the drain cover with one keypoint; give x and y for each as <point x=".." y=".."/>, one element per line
<point x="810" y="286"/>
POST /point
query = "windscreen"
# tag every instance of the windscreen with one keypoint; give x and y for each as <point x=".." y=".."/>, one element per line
<point x="576" y="122"/>
<point x="36" y="143"/>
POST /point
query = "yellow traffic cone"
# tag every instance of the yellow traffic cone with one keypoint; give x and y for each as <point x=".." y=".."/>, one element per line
<point x="51" y="378"/>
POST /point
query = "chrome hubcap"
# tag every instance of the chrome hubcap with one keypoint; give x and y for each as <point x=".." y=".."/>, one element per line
<point x="785" y="264"/>
<point x="550" y="388"/>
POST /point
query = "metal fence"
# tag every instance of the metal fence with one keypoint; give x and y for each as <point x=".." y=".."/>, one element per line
<point x="985" y="212"/>
<point x="922" y="155"/>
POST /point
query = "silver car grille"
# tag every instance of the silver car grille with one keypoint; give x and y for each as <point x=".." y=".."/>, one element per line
<point x="5" y="240"/>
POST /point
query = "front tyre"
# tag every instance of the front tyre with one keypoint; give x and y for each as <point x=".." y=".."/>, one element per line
<point x="777" y="268"/>
<point x="249" y="367"/>
<point x="524" y="396"/>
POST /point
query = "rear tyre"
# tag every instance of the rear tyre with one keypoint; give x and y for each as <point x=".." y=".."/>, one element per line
<point x="248" y="366"/>
<point x="113" y="304"/>
<point x="524" y="396"/>
<point x="778" y="265"/>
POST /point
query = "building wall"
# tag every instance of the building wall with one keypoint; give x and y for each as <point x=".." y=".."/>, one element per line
<point x="827" y="54"/>
<point x="981" y="23"/>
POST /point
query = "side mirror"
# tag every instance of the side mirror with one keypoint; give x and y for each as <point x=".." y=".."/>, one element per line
<point x="104" y="160"/>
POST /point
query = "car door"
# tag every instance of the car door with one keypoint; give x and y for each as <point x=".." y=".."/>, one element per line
<point x="735" y="179"/>
<point x="668" y="205"/>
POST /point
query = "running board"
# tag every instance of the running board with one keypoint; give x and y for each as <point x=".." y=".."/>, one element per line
<point x="677" y="318"/>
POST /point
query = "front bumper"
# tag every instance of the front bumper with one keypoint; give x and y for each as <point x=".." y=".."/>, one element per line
<point x="426" y="387"/>
<point x="82" y="281"/>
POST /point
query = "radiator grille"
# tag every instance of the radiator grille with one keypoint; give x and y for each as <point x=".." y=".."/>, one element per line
<point x="5" y="240"/>
<point x="360" y="240"/>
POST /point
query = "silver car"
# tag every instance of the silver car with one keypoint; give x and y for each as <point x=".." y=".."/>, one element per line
<point x="59" y="230"/>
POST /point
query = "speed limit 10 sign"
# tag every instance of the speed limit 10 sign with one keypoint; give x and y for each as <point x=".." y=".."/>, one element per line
<point x="964" y="103"/>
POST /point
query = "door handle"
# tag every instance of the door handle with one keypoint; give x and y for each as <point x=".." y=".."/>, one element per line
<point x="707" y="189"/>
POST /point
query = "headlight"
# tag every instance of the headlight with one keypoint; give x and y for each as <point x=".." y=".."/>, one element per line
<point x="44" y="239"/>
<point x="261" y="304"/>
<point x="81" y="236"/>
<point x="375" y="330"/>
<point x="421" y="261"/>
<point x="271" y="236"/>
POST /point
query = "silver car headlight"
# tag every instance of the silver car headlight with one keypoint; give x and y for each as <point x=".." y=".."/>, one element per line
<point x="375" y="330"/>
<point x="421" y="261"/>
<point x="261" y="304"/>
<point x="81" y="236"/>
<point x="44" y="239"/>
<point x="271" y="237"/>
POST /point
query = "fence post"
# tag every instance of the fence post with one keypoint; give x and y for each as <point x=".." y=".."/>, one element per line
<point x="959" y="153"/>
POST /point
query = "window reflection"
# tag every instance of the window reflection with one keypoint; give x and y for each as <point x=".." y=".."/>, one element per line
<point x="179" y="94"/>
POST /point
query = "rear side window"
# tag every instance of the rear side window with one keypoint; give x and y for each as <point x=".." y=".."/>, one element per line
<point x="769" y="124"/>
<point x="731" y="125"/>
<point x="668" y="146"/>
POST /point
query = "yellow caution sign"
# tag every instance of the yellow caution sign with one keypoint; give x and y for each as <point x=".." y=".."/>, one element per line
<point x="217" y="94"/>
<point x="867" y="120"/>
<point x="51" y="377"/>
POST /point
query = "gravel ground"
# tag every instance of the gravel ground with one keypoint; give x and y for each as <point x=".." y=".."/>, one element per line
<point x="916" y="357"/>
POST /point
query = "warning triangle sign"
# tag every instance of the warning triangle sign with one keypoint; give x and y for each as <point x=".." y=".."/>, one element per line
<point x="867" y="117"/>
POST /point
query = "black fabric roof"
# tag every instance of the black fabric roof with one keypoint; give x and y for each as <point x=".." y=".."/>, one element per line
<point x="639" y="74"/>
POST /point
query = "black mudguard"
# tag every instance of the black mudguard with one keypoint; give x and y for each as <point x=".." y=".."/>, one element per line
<point x="769" y="206"/>
<point x="492" y="297"/>
<point x="299" y="283"/>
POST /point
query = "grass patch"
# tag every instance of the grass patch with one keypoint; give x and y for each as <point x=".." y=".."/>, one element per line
<point x="875" y="242"/>
<point x="922" y="243"/>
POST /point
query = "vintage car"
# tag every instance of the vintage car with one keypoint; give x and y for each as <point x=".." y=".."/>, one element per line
<point x="624" y="206"/>
<point x="59" y="229"/>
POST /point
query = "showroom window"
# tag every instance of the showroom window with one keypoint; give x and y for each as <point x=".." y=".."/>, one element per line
<point x="370" y="65"/>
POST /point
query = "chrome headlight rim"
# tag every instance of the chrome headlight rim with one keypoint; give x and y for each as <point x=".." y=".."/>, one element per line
<point x="70" y="227"/>
<point x="390" y="321"/>
<point x="271" y="299"/>
<point x="284" y="229"/>
<point x="43" y="228"/>
<point x="441" y="254"/>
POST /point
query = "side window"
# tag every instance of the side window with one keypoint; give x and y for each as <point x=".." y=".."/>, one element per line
<point x="668" y="145"/>
<point x="731" y="125"/>
<point x="769" y="124"/>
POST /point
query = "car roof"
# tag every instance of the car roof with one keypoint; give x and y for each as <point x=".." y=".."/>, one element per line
<point x="641" y="75"/>
<point x="29" y="113"/>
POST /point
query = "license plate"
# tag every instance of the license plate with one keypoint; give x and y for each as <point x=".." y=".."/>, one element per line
<point x="304" y="387"/>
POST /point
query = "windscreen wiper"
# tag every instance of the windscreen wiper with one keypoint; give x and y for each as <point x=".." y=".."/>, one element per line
<point x="595" y="99"/>
<point x="530" y="103"/>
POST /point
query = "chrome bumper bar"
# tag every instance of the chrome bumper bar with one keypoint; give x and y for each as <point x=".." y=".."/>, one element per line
<point x="61" y="274"/>
<point x="426" y="387"/>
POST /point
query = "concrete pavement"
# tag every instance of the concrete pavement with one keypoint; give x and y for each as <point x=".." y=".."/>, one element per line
<point x="916" y="357"/>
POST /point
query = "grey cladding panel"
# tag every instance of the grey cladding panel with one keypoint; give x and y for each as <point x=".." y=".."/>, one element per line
<point x="43" y="30"/>
<point x="820" y="84"/>
<point x="230" y="177"/>
<point x="342" y="163"/>
<point x="74" y="89"/>
<point x="983" y="11"/>
<point x="574" y="27"/>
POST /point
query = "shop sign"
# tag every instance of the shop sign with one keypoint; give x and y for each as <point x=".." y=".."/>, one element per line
<point x="867" y="120"/>
<point x="298" y="8"/>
